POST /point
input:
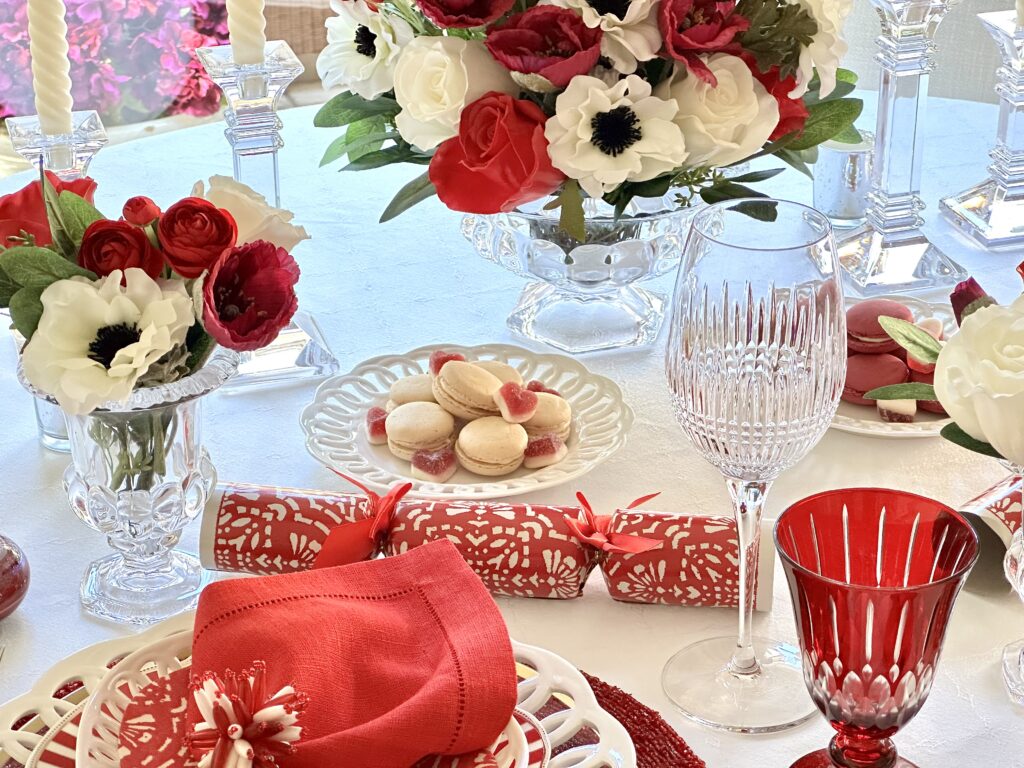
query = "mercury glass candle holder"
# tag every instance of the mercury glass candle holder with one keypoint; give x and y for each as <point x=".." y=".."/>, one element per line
<point x="253" y="130"/>
<point x="68" y="156"/>
<point x="992" y="212"/>
<point x="890" y="253"/>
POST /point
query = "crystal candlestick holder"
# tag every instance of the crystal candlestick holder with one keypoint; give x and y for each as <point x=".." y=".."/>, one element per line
<point x="1013" y="566"/>
<point x="992" y="212"/>
<point x="890" y="253"/>
<point x="68" y="156"/>
<point x="253" y="129"/>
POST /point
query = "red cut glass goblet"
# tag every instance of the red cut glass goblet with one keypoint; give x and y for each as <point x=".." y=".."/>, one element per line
<point x="873" y="575"/>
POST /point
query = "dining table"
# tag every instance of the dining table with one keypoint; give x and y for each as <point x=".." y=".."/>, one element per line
<point x="389" y="288"/>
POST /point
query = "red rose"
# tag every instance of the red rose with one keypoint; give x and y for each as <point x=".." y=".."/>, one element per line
<point x="24" y="210"/>
<point x="140" y="211"/>
<point x="249" y="295"/>
<point x="195" y="233"/>
<point x="464" y="13"/>
<point x="499" y="159"/>
<point x="548" y="41"/>
<point x="693" y="27"/>
<point x="109" y="245"/>
<point x="793" y="113"/>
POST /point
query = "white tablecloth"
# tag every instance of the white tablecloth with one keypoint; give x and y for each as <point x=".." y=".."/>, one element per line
<point x="390" y="288"/>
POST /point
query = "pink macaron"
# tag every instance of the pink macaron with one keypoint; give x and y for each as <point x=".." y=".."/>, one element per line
<point x="864" y="334"/>
<point x="867" y="372"/>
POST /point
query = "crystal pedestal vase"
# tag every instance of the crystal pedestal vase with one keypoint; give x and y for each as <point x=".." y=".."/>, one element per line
<point x="1013" y="565"/>
<point x="68" y="156"/>
<point x="890" y="253"/>
<point x="992" y="212"/>
<point x="139" y="475"/>
<point x="253" y="130"/>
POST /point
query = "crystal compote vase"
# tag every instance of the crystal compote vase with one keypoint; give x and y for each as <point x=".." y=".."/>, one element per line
<point x="585" y="296"/>
<point x="1013" y="566"/>
<point x="139" y="475"/>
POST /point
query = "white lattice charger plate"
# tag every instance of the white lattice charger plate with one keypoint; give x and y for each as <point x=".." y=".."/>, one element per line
<point x="336" y="435"/>
<point x="864" y="420"/>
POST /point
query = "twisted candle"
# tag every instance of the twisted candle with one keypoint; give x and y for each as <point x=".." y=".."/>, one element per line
<point x="247" y="30"/>
<point x="51" y="69"/>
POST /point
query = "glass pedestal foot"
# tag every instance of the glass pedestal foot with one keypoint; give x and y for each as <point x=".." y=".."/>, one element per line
<point x="822" y="759"/>
<point x="875" y="265"/>
<point x="987" y="214"/>
<point x="1013" y="671"/>
<point x="299" y="353"/>
<point x="581" y="322"/>
<point x="697" y="681"/>
<point x="113" y="590"/>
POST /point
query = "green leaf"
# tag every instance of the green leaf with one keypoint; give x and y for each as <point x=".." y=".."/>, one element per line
<point x="795" y="160"/>
<point x="572" y="219"/>
<point x="841" y="89"/>
<point x="200" y="345"/>
<point x="919" y="344"/>
<point x="416" y="191"/>
<point x="7" y="289"/>
<point x="846" y="76"/>
<point x="62" y="239"/>
<point x="954" y="434"/>
<point x="826" y="119"/>
<point x="77" y="213"/>
<point x="910" y="391"/>
<point x="777" y="33"/>
<point x="849" y="135"/>
<point x="767" y="210"/>
<point x="389" y="156"/>
<point x="755" y="176"/>
<point x="348" y="108"/>
<point x="728" y="190"/>
<point x="355" y="147"/>
<point x="358" y="134"/>
<point x="26" y="309"/>
<point x="34" y="267"/>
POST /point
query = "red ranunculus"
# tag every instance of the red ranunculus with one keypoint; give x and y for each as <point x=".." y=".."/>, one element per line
<point x="24" y="210"/>
<point x="249" y="295"/>
<point x="793" y="113"/>
<point x="548" y="41"/>
<point x="109" y="245"/>
<point x="140" y="211"/>
<point x="194" y="234"/>
<point x="498" y="161"/>
<point x="694" y="27"/>
<point x="464" y="13"/>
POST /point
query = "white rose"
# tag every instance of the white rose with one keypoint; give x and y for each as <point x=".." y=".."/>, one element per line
<point x="726" y="123"/>
<point x="630" y="28"/>
<point x="95" y="339"/>
<point x="603" y="135"/>
<point x="979" y="378"/>
<point x="362" y="49"/>
<point x="827" y="48"/>
<point x="255" y="217"/>
<point x="436" y="77"/>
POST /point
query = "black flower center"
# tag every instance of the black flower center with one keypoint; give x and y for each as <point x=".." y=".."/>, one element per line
<point x="111" y="339"/>
<point x="617" y="8"/>
<point x="615" y="131"/>
<point x="366" y="41"/>
<point x="229" y="299"/>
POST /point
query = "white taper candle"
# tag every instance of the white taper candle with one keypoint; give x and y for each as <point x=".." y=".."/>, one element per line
<point x="51" y="68"/>
<point x="1020" y="13"/>
<point x="247" y="30"/>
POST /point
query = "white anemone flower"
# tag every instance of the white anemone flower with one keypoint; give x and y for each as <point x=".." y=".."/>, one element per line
<point x="95" y="339"/>
<point x="362" y="49"/>
<point x="827" y="48"/>
<point x="256" y="218"/>
<point x="630" y="28"/>
<point x="603" y="135"/>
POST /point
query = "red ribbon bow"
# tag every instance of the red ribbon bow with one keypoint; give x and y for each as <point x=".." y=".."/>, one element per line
<point x="359" y="541"/>
<point x="593" y="529"/>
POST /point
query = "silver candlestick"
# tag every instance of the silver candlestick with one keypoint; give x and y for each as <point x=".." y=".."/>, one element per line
<point x="992" y="212"/>
<point x="68" y="156"/>
<point x="890" y="253"/>
<point x="253" y="129"/>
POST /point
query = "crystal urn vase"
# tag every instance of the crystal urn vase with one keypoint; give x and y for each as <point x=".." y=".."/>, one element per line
<point x="585" y="296"/>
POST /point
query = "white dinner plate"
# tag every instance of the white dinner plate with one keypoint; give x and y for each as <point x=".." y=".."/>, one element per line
<point x="335" y="422"/>
<point x="864" y="419"/>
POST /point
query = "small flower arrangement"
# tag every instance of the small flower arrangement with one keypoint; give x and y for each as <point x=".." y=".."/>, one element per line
<point x="108" y="306"/>
<point x="979" y="372"/>
<point x="512" y="101"/>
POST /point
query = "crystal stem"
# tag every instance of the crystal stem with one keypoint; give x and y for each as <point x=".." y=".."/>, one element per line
<point x="748" y="498"/>
<point x="855" y="751"/>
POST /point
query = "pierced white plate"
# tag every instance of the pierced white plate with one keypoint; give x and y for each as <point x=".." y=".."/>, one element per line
<point x="336" y="435"/>
<point x="864" y="420"/>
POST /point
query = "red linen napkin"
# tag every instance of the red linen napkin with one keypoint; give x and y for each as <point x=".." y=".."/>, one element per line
<point x="396" y="659"/>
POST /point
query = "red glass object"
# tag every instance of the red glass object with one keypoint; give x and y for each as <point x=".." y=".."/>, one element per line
<point x="13" y="576"/>
<point x="873" y="575"/>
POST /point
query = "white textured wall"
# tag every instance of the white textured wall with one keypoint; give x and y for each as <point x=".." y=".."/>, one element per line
<point x="967" y="57"/>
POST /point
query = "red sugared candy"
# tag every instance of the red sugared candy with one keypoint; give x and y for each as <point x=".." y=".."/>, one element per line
<point x="544" y="451"/>
<point x="439" y="358"/>
<point x="539" y="386"/>
<point x="435" y="466"/>
<point x="515" y="403"/>
<point x="375" y="430"/>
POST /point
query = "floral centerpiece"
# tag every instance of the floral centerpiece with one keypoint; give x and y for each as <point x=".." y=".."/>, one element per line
<point x="514" y="101"/>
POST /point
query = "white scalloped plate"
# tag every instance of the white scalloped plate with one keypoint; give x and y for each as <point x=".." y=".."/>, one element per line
<point x="864" y="420"/>
<point x="334" y="422"/>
